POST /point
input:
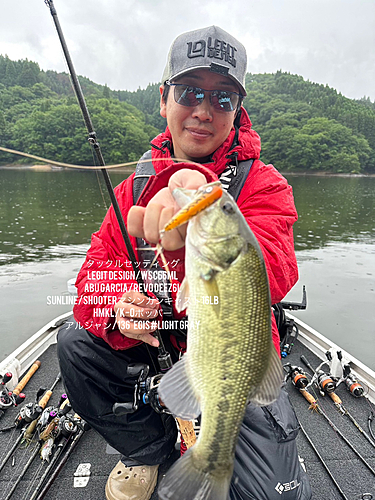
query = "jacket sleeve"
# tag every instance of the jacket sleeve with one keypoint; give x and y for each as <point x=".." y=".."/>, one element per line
<point x="105" y="276"/>
<point x="267" y="203"/>
<point x="107" y="269"/>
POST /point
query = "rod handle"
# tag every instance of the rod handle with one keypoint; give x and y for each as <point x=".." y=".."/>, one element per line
<point x="187" y="432"/>
<point x="43" y="402"/>
<point x="310" y="398"/>
<point x="335" y="398"/>
<point x="26" y="378"/>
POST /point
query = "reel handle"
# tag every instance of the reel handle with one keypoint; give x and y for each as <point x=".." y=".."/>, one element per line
<point x="123" y="409"/>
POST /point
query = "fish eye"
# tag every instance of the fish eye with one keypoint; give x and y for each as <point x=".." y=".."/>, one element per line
<point x="228" y="208"/>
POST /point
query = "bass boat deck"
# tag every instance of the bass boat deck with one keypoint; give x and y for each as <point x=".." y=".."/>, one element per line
<point x="353" y="471"/>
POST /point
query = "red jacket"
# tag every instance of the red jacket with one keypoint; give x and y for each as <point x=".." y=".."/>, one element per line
<point x="266" y="201"/>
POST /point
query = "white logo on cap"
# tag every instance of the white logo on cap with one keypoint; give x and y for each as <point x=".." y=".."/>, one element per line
<point x="217" y="49"/>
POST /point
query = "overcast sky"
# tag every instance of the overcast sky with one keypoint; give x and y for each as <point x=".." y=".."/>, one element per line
<point x="124" y="43"/>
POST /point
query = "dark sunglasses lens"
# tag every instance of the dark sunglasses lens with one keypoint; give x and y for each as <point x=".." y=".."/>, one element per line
<point x="188" y="96"/>
<point x="193" y="96"/>
<point x="224" y="101"/>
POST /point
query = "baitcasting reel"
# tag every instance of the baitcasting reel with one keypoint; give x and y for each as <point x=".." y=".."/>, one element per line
<point x="145" y="391"/>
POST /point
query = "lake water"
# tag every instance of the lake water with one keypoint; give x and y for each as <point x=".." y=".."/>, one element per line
<point x="47" y="217"/>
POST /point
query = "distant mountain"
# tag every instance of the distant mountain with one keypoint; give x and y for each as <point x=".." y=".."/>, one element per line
<point x="303" y="125"/>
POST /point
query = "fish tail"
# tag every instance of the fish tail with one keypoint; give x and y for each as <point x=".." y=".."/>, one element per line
<point x="184" y="481"/>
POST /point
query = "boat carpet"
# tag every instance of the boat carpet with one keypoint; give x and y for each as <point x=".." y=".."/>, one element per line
<point x="353" y="477"/>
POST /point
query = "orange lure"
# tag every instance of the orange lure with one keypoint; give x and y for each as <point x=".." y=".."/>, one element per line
<point x="206" y="196"/>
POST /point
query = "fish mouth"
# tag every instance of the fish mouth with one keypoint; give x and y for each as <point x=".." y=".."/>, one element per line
<point x="215" y="264"/>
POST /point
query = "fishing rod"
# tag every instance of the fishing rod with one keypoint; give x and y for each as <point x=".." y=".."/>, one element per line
<point x="315" y="406"/>
<point x="66" y="445"/>
<point x="14" y="398"/>
<point x="323" y="463"/>
<point x="339" y="405"/>
<point x="164" y="357"/>
<point x="29" y="418"/>
<point x="65" y="428"/>
<point x="327" y="383"/>
<point x="46" y="425"/>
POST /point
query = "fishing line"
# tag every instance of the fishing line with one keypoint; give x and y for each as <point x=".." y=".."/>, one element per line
<point x="23" y="471"/>
<point x="32" y="481"/>
<point x="323" y="409"/>
<point x="10" y="439"/>
<point x="91" y="167"/>
<point x="67" y="165"/>
<point x="323" y="463"/>
<point x="101" y="190"/>
<point x="20" y="454"/>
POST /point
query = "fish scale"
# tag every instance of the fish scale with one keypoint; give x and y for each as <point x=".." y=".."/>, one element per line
<point x="237" y="345"/>
<point x="230" y="357"/>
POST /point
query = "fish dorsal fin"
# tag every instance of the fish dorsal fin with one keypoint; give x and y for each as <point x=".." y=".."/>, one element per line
<point x="269" y="388"/>
<point x="176" y="392"/>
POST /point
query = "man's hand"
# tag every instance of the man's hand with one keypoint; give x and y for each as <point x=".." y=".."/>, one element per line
<point x="148" y="222"/>
<point x="136" y="317"/>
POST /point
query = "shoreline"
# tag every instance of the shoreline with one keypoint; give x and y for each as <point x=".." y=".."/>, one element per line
<point x="324" y="174"/>
<point x="52" y="168"/>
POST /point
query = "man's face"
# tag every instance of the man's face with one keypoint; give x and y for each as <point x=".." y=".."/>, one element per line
<point x="198" y="131"/>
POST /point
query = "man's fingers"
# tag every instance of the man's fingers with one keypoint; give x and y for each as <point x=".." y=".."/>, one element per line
<point x="174" y="239"/>
<point x="149" y="339"/>
<point x="135" y="221"/>
<point x="164" y="197"/>
<point x="152" y="224"/>
<point x="148" y="222"/>
<point x="129" y="311"/>
<point x="137" y="299"/>
<point x="186" y="178"/>
<point x="138" y="330"/>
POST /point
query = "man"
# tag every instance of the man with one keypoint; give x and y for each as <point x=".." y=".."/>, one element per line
<point x="201" y="94"/>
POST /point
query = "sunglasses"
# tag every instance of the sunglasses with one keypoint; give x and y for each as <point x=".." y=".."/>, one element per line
<point x="221" y="100"/>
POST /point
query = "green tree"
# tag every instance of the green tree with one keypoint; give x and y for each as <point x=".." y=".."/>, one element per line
<point x="324" y="144"/>
<point x="303" y="125"/>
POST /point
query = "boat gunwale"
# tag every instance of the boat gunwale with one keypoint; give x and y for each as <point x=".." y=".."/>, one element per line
<point x="30" y="350"/>
<point x="319" y="345"/>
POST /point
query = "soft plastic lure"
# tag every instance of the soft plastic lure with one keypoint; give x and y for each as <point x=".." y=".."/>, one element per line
<point x="205" y="196"/>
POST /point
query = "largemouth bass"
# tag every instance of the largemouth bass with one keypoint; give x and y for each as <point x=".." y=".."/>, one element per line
<point x="230" y="358"/>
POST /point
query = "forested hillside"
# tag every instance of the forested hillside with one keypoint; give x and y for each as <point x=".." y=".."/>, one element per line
<point x="304" y="126"/>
